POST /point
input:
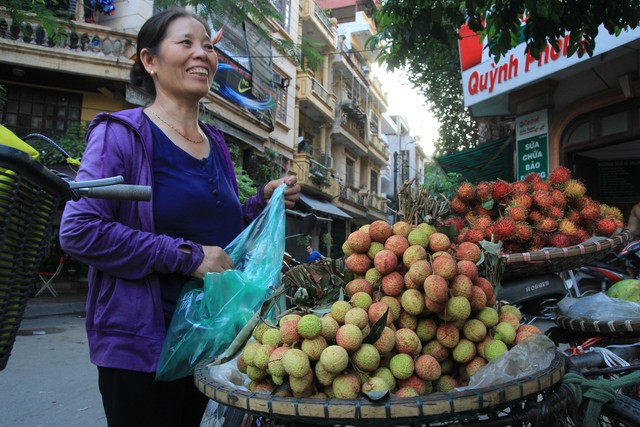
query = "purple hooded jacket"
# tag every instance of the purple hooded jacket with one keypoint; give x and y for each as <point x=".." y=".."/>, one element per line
<point x="125" y="323"/>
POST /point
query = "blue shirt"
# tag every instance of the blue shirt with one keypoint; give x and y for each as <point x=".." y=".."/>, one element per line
<point x="313" y="256"/>
<point x="198" y="203"/>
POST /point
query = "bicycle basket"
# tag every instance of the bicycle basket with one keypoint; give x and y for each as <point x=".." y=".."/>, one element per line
<point x="30" y="196"/>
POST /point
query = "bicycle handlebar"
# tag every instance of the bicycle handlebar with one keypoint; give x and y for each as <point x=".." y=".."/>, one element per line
<point x="118" y="191"/>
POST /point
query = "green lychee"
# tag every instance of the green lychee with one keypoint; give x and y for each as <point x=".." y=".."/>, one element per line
<point x="474" y="330"/>
<point x="272" y="336"/>
<point x="334" y="359"/>
<point x="505" y="332"/>
<point x="339" y="309"/>
<point x="346" y="386"/>
<point x="386" y="374"/>
<point x="401" y="366"/>
<point x="493" y="349"/>
<point x="412" y="301"/>
<point x="458" y="308"/>
<point x="295" y="363"/>
<point x="309" y="326"/>
<point x="464" y="352"/>
<point x="366" y="358"/>
<point x="375" y="384"/>
<point x="329" y="327"/>
<point x="361" y="300"/>
<point x="356" y="316"/>
<point x="349" y="337"/>
<point x="488" y="316"/>
<point x="314" y="347"/>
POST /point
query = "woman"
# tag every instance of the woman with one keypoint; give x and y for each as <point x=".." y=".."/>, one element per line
<point x="141" y="253"/>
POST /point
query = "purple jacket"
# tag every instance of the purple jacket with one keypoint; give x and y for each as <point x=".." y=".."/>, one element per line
<point x="125" y="324"/>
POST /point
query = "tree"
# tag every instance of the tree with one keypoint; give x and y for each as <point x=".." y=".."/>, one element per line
<point x="422" y="37"/>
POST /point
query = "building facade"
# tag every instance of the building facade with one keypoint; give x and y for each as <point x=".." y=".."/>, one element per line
<point x="319" y="119"/>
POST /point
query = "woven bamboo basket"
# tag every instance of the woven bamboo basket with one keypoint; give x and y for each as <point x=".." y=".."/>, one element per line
<point x="30" y="195"/>
<point x="554" y="260"/>
<point x="613" y="327"/>
<point x="435" y="407"/>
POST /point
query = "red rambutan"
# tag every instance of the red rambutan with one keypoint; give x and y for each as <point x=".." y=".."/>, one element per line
<point x="539" y="239"/>
<point x="484" y="191"/>
<point x="504" y="228"/>
<point x="612" y="211"/>
<point x="520" y="187"/>
<point x="558" y="198"/>
<point x="591" y="211"/>
<point x="540" y="186"/>
<point x="501" y="189"/>
<point x="455" y="221"/>
<point x="559" y="175"/>
<point x="466" y="191"/>
<point x="547" y="225"/>
<point x="458" y="206"/>
<point x="559" y="240"/>
<point x="573" y="216"/>
<point x="523" y="233"/>
<point x="555" y="212"/>
<point x="532" y="177"/>
<point x="542" y="199"/>
<point x="535" y="215"/>
<point x="482" y="221"/>
<point x="475" y="235"/>
<point x="606" y="226"/>
<point x="516" y="212"/>
<point x="523" y="200"/>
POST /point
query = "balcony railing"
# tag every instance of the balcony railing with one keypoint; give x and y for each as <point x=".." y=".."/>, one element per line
<point x="319" y="90"/>
<point x="322" y="17"/>
<point x="85" y="38"/>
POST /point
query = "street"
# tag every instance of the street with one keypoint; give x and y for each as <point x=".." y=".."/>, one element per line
<point x="49" y="380"/>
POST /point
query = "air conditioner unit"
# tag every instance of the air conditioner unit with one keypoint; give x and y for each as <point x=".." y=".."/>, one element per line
<point x="327" y="161"/>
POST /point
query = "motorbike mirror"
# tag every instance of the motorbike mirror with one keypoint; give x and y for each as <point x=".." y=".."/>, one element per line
<point x="308" y="224"/>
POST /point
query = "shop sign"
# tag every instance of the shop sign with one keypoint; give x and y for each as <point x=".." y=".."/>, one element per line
<point x="483" y="78"/>
<point x="532" y="144"/>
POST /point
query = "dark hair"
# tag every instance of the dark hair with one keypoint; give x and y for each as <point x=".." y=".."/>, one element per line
<point x="150" y="36"/>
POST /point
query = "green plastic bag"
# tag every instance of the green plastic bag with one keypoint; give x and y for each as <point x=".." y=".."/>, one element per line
<point x="207" y="320"/>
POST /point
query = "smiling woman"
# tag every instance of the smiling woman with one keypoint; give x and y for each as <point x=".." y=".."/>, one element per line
<point x="141" y="255"/>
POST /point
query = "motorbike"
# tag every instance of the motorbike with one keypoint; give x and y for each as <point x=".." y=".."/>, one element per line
<point x="599" y="276"/>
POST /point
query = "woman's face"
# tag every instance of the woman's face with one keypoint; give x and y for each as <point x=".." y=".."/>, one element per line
<point x="186" y="61"/>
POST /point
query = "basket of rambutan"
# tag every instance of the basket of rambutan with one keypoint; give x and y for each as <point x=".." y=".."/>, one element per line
<point x="544" y="224"/>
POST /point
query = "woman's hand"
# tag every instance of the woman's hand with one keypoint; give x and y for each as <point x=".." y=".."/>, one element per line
<point x="215" y="260"/>
<point x="291" y="193"/>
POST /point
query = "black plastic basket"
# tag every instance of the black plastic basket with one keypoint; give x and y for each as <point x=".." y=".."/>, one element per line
<point x="30" y="196"/>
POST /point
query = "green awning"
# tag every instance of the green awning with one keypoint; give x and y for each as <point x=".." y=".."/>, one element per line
<point x="486" y="162"/>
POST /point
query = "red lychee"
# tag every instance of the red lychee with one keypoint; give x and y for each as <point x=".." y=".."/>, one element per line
<point x="397" y="244"/>
<point x="358" y="263"/>
<point x="379" y="231"/>
<point x="385" y="261"/>
<point x="359" y="241"/>
<point x="468" y="268"/>
<point x="436" y="288"/>
<point x="445" y="267"/>
<point x="393" y="284"/>
<point x="439" y="242"/>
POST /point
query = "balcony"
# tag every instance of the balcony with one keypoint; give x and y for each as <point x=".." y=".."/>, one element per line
<point x="378" y="150"/>
<point x="315" y="101"/>
<point x="316" y="25"/>
<point x="367" y="204"/>
<point x="351" y="134"/>
<point x="312" y="174"/>
<point x="88" y="49"/>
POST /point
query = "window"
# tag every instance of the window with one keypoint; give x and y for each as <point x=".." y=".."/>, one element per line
<point x="33" y="110"/>
<point x="373" y="182"/>
<point x="349" y="172"/>
<point x="284" y="9"/>
<point x="281" y="97"/>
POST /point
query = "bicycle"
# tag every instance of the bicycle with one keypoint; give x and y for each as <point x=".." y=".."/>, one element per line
<point x="30" y="197"/>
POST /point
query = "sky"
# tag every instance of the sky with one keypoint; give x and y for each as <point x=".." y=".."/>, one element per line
<point x="405" y="101"/>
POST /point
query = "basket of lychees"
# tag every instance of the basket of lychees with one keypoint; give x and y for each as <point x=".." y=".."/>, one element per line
<point x="544" y="225"/>
<point x="416" y="324"/>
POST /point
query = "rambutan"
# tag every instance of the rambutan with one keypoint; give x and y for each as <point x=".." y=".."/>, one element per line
<point x="475" y="235"/>
<point x="523" y="233"/>
<point x="458" y="206"/>
<point x="612" y="211"/>
<point x="470" y="216"/>
<point x="489" y="233"/>
<point x="559" y="175"/>
<point x="558" y="198"/>
<point x="484" y="191"/>
<point x="455" y="221"/>
<point x="606" y="226"/>
<point x="520" y="187"/>
<point x="532" y="177"/>
<point x="539" y="239"/>
<point x="500" y="189"/>
<point x="559" y="240"/>
<point x="516" y="212"/>
<point x="574" y="189"/>
<point x="461" y="235"/>
<point x="567" y="227"/>
<point x="504" y="228"/>
<point x="591" y="211"/>
<point x="466" y="191"/>
<point x="535" y="215"/>
<point x="523" y="200"/>
<point x="480" y="211"/>
<point x="580" y="236"/>
<point x="542" y="199"/>
<point x="555" y="212"/>
<point x="482" y="221"/>
<point x="573" y="216"/>
<point x="547" y="225"/>
<point x="540" y="186"/>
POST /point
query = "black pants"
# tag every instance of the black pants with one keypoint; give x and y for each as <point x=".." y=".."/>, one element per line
<point x="135" y="399"/>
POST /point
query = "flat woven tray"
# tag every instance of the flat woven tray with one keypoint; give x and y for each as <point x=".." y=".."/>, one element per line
<point x="554" y="260"/>
<point x="30" y="196"/>
<point x="613" y="327"/>
<point x="394" y="411"/>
